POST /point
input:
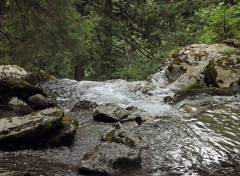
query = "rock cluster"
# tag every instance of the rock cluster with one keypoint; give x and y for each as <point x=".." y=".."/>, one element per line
<point x="13" y="83"/>
<point x="201" y="65"/>
<point x="21" y="126"/>
<point x="118" y="152"/>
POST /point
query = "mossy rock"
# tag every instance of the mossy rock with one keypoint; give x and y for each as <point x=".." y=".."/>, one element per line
<point x="64" y="134"/>
<point x="14" y="87"/>
<point x="230" y="51"/>
<point x="42" y="129"/>
<point x="121" y="136"/>
<point x="38" y="77"/>
<point x="28" y="131"/>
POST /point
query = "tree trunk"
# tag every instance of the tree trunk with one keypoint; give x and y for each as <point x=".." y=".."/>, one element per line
<point x="78" y="72"/>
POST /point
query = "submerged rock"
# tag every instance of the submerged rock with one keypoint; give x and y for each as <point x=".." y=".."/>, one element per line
<point x="37" y="129"/>
<point x="110" y="159"/>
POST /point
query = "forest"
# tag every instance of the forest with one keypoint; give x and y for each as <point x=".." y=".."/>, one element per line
<point x="109" y="39"/>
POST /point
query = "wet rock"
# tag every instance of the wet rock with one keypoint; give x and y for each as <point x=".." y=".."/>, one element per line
<point x="109" y="159"/>
<point x="64" y="134"/>
<point x="13" y="87"/>
<point x="48" y="126"/>
<point x="180" y="95"/>
<point x="169" y="99"/>
<point x="38" y="102"/>
<point x="139" y="116"/>
<point x="121" y="136"/>
<point x="84" y="105"/>
<point x="235" y="87"/>
<point x="110" y="113"/>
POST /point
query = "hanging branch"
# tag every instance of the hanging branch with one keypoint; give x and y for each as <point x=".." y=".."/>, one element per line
<point x="8" y="37"/>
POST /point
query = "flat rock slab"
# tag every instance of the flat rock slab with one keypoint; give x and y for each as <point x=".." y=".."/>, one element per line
<point x="109" y="159"/>
<point x="15" y="129"/>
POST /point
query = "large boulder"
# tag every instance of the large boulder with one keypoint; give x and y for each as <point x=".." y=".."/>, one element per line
<point x="12" y="71"/>
<point x="201" y="65"/>
<point x="110" y="159"/>
<point x="14" y="87"/>
<point x="46" y="127"/>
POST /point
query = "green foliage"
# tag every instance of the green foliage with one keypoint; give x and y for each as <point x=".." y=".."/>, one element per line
<point x="107" y="39"/>
<point x="220" y="21"/>
<point x="139" y="69"/>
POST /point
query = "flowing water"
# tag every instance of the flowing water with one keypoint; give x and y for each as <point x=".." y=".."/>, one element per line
<point x="198" y="136"/>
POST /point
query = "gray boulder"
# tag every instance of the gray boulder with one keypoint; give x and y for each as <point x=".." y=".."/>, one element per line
<point x="110" y="159"/>
<point x="12" y="71"/>
<point x="201" y="65"/>
<point x="38" y="102"/>
<point x="42" y="128"/>
<point x="110" y="113"/>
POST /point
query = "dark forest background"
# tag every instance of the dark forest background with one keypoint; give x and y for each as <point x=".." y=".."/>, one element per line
<point x="108" y="39"/>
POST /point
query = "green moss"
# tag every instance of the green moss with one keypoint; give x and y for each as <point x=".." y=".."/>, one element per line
<point x="173" y="53"/>
<point x="110" y="136"/>
<point x="64" y="134"/>
<point x="59" y="113"/>
<point x="20" y="83"/>
<point x="68" y="120"/>
<point x="229" y="52"/>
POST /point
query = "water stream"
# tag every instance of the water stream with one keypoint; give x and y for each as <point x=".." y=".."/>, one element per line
<point x="198" y="136"/>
